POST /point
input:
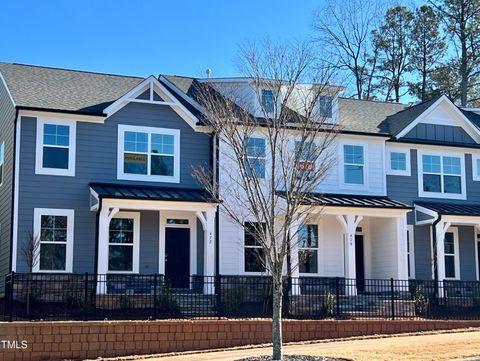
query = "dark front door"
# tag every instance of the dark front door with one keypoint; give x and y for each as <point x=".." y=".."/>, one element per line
<point x="177" y="257"/>
<point x="359" y="263"/>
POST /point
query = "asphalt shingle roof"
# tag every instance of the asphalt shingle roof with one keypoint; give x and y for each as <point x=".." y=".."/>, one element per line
<point x="65" y="90"/>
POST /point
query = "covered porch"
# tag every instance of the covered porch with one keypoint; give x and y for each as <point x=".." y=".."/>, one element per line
<point x="358" y="238"/>
<point x="454" y="239"/>
<point x="154" y="230"/>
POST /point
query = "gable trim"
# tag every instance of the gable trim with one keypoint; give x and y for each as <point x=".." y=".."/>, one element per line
<point x="2" y="79"/>
<point x="151" y="83"/>
<point x="469" y="128"/>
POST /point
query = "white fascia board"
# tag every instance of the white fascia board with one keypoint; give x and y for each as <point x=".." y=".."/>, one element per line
<point x="58" y="115"/>
<point x="471" y="129"/>
<point x="359" y="211"/>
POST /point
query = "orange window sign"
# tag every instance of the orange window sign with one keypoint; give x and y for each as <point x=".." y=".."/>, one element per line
<point x="135" y="158"/>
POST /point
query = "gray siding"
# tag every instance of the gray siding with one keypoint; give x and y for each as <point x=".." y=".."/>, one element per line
<point x="7" y="125"/>
<point x="405" y="189"/>
<point x="96" y="161"/>
<point x="423" y="253"/>
<point x="149" y="246"/>
<point x="439" y="133"/>
<point x="466" y="245"/>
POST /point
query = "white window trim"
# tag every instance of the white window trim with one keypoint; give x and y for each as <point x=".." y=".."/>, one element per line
<point x="136" y="241"/>
<point x="341" y="168"/>
<point x="70" y="214"/>
<point x="388" y="166"/>
<point x="456" y="247"/>
<point x="422" y="193"/>
<point x="475" y="158"/>
<point x="258" y="136"/>
<point x="313" y="249"/>
<point x="39" y="169"/>
<point x="411" y="245"/>
<point x="122" y="128"/>
<point x="2" y="163"/>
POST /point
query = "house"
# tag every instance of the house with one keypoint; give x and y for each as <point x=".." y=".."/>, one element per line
<point x="99" y="168"/>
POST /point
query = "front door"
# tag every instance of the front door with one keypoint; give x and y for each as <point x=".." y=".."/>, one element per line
<point x="177" y="257"/>
<point x="359" y="263"/>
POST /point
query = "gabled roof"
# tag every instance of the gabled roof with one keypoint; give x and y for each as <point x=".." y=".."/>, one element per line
<point x="82" y="92"/>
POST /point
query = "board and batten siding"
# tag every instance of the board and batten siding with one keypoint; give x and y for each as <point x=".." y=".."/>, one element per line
<point x="7" y="130"/>
<point x="96" y="161"/>
<point x="405" y="189"/>
<point x="439" y="133"/>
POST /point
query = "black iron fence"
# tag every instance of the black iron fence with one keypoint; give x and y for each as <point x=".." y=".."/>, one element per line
<point x="121" y="296"/>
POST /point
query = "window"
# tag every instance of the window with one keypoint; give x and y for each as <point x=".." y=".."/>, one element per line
<point x="54" y="229"/>
<point x="442" y="176"/>
<point x="325" y="106"/>
<point x="268" y="101"/>
<point x="149" y="154"/>
<point x="255" y="162"/>
<point x="2" y="161"/>
<point x="123" y="243"/>
<point x="55" y="148"/>
<point x="308" y="248"/>
<point x="410" y="252"/>
<point x="451" y="254"/>
<point x="254" y="256"/>
<point x="306" y="158"/>
<point x="353" y="163"/>
<point x="476" y="167"/>
<point x="398" y="162"/>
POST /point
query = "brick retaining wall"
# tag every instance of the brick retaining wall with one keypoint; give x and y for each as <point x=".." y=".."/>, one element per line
<point x="79" y="340"/>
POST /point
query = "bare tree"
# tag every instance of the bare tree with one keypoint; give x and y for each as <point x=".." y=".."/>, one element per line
<point x="31" y="254"/>
<point x="268" y="183"/>
<point x="344" y="32"/>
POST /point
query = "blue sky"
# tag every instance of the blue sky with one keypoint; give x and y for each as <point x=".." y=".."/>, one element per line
<point x="140" y="37"/>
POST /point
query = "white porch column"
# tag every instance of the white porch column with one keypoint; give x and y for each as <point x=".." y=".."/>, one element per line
<point x="294" y="266"/>
<point x="105" y="216"/>
<point x="349" y="223"/>
<point x="440" y="230"/>
<point x="208" y="221"/>
<point x="402" y="251"/>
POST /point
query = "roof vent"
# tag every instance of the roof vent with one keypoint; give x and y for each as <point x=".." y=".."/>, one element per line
<point x="209" y="73"/>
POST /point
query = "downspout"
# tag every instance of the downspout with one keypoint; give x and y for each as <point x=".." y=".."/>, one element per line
<point x="215" y="180"/>
<point x="434" y="245"/>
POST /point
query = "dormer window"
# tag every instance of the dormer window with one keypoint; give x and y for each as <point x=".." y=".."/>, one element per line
<point x="268" y="101"/>
<point x="325" y="106"/>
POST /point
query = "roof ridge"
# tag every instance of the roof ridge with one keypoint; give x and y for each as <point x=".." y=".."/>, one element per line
<point x="375" y="101"/>
<point x="434" y="99"/>
<point x="73" y="70"/>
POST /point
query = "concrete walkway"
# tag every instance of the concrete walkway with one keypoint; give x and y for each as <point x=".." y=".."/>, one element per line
<point x="441" y="346"/>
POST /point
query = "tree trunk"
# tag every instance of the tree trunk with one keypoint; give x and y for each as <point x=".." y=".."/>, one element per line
<point x="277" y="322"/>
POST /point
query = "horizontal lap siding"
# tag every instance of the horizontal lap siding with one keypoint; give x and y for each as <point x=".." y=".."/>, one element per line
<point x="466" y="242"/>
<point x="7" y="125"/>
<point x="96" y="161"/>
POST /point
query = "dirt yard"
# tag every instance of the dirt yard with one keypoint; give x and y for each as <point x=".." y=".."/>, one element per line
<point x="441" y="346"/>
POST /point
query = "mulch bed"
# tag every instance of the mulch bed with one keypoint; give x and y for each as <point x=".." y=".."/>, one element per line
<point x="294" y="358"/>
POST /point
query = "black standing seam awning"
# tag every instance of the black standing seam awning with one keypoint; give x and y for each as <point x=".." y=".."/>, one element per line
<point x="351" y="200"/>
<point x="450" y="209"/>
<point x="121" y="191"/>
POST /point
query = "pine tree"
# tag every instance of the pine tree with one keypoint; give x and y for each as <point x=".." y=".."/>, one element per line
<point x="393" y="39"/>
<point x="428" y="48"/>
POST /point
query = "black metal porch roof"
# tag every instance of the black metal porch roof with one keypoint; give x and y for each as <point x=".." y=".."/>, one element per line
<point x="122" y="191"/>
<point x="351" y="200"/>
<point x="450" y="209"/>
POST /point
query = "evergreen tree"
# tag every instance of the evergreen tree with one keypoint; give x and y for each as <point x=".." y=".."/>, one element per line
<point x="393" y="40"/>
<point x="428" y="48"/>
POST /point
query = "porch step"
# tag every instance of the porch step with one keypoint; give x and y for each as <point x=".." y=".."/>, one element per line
<point x="195" y="304"/>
